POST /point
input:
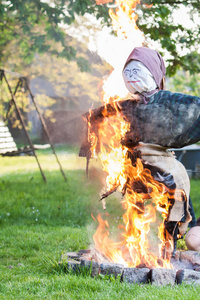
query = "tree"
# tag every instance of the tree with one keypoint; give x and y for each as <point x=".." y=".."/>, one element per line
<point x="61" y="92"/>
<point x="158" y="24"/>
<point x="57" y="83"/>
<point x="36" y="26"/>
<point x="79" y="90"/>
<point x="183" y="82"/>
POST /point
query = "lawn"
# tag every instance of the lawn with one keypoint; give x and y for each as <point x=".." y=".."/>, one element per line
<point x="39" y="222"/>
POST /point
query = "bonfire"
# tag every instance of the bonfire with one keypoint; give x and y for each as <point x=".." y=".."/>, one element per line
<point x="112" y="134"/>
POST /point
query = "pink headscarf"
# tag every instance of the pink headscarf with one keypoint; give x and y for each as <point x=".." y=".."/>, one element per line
<point x="152" y="60"/>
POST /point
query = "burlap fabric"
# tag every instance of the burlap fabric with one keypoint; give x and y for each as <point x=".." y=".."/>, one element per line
<point x="165" y="160"/>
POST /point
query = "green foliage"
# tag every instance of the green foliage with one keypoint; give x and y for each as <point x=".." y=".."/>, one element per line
<point x="183" y="82"/>
<point x="181" y="244"/>
<point x="69" y="83"/>
<point x="73" y="89"/>
<point x="36" y="26"/>
<point x="110" y="278"/>
<point x="51" y="265"/>
<point x="195" y="197"/>
<point x="171" y="36"/>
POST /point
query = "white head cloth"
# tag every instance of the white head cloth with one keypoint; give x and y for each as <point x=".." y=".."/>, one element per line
<point x="138" y="78"/>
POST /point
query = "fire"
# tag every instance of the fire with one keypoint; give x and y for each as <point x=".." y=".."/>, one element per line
<point x="124" y="20"/>
<point x="93" y="140"/>
<point x="113" y="158"/>
<point x="128" y="35"/>
<point x="143" y="196"/>
<point x="138" y="187"/>
<point x="98" y="2"/>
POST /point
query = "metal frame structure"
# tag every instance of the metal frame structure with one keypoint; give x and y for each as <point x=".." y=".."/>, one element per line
<point x="22" y="81"/>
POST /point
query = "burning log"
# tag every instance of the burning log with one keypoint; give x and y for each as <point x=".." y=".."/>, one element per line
<point x="105" y="195"/>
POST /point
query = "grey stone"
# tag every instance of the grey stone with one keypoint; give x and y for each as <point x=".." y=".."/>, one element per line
<point x="175" y="261"/>
<point x="177" y="255"/>
<point x="192" y="257"/>
<point x="84" y="251"/>
<point x="188" y="276"/>
<point x="162" y="276"/>
<point x="110" y="268"/>
<point x="94" y="266"/>
<point x="136" y="275"/>
<point x="181" y="264"/>
<point x="74" y="265"/>
<point x="72" y="255"/>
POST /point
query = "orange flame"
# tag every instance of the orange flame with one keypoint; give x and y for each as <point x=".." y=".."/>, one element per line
<point x="132" y="179"/>
<point x="124" y="24"/>
<point x="98" y="2"/>
<point x="133" y="248"/>
<point x="125" y="18"/>
<point x="92" y="139"/>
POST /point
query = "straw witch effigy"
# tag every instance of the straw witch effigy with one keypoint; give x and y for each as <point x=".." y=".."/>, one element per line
<point x="154" y="128"/>
<point x="159" y="120"/>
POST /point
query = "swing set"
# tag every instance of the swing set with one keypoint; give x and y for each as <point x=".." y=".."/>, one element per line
<point x="23" y="82"/>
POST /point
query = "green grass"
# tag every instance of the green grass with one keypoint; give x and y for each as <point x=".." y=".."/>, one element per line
<point x="195" y="196"/>
<point x="39" y="222"/>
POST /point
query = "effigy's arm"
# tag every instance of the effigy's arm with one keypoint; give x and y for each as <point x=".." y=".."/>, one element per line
<point x="171" y="120"/>
<point x="95" y="117"/>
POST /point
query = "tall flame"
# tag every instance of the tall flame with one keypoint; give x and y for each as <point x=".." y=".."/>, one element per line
<point x="124" y="20"/>
<point x="138" y="187"/>
<point x="130" y="178"/>
<point x="118" y="48"/>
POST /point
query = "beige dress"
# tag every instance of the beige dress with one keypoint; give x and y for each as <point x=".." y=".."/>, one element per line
<point x="164" y="159"/>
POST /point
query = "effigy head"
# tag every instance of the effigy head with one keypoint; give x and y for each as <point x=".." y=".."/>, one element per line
<point x="144" y="71"/>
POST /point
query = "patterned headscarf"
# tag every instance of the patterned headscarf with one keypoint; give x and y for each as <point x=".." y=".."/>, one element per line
<point x="152" y="60"/>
